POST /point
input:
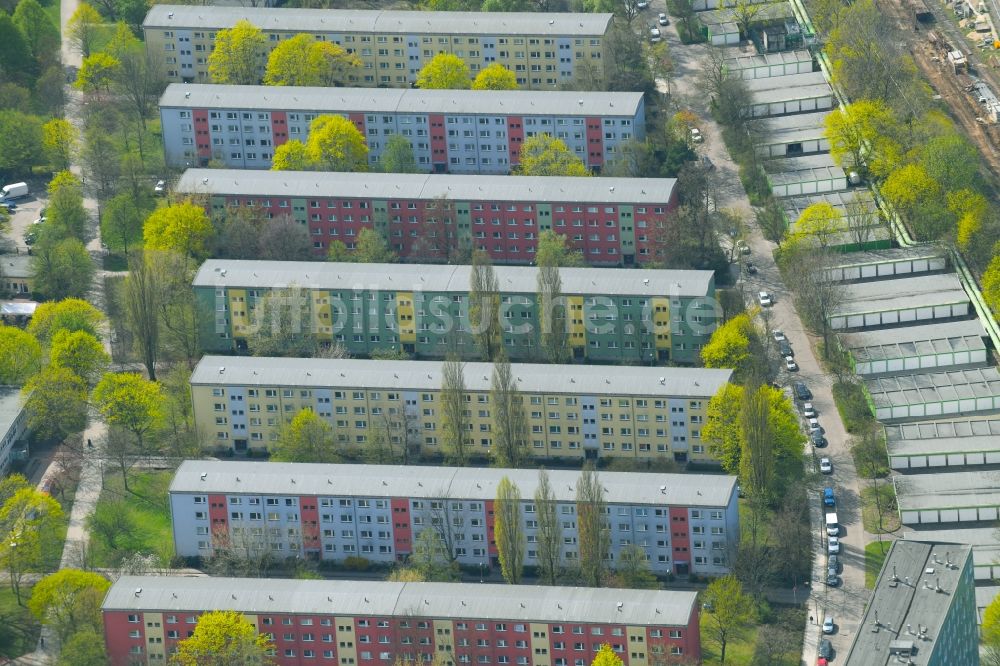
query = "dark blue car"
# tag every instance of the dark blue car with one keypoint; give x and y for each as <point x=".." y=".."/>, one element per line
<point x="828" y="499"/>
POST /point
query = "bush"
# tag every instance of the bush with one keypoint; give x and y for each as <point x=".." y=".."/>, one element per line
<point x="355" y="563"/>
<point x="853" y="406"/>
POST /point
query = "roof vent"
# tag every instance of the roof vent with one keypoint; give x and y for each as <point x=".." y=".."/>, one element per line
<point x="384" y="482"/>
<point x="204" y="475"/>
<point x="271" y="597"/>
<point x="663" y="380"/>
<point x="620" y="606"/>
<point x="170" y="15"/>
<point x="138" y="591"/>
<point x="222" y="369"/>
<point x="237" y="479"/>
<point x="645" y="281"/>
<point x="522" y="604"/>
<point x="663" y="490"/>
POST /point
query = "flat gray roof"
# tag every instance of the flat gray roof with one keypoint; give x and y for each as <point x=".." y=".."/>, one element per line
<point x="426" y="375"/>
<point x="768" y="11"/>
<point x="369" y="598"/>
<point x="794" y="206"/>
<point x="750" y="61"/>
<point x="895" y="350"/>
<point x="787" y="82"/>
<point x="934" y="331"/>
<point x="902" y="293"/>
<point x="401" y="100"/>
<point x="436" y="278"/>
<point x="11" y="406"/>
<point x="985" y="541"/>
<point x="926" y="387"/>
<point x="886" y="256"/>
<point x="15" y="266"/>
<point x="948" y="490"/>
<point x="239" y="182"/>
<point x="798" y="127"/>
<point x="898" y="605"/>
<point x="970" y="435"/>
<point x="344" y="21"/>
<point x="775" y="95"/>
<point x="271" y="478"/>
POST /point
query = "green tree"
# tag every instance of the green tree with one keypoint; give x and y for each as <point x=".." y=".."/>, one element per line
<point x="553" y="315"/>
<point x="238" y="55"/>
<point x="510" y="424"/>
<point x="737" y="344"/>
<point x="606" y="657"/>
<point x="69" y="601"/>
<point x="454" y="421"/>
<point x="291" y="156"/>
<point x="445" y="71"/>
<point x="972" y="210"/>
<point x="40" y="35"/>
<point x="182" y="227"/>
<point x="139" y="78"/>
<point x="756" y="455"/>
<point x="991" y="282"/>
<point x="509" y="534"/>
<point x="27" y="524"/>
<point x="222" y="638"/>
<point x="97" y="73"/>
<point x="21" y="138"/>
<point x="633" y="569"/>
<point x="484" y="306"/>
<point x="857" y="129"/>
<point x="989" y="633"/>
<point x="71" y="314"/>
<point x="58" y="138"/>
<point x="80" y="353"/>
<point x="335" y="144"/>
<point x="554" y="251"/>
<point x="430" y="558"/>
<point x="307" y="438"/>
<point x="122" y="218"/>
<point x="372" y="249"/>
<point x="129" y="401"/>
<point x="730" y="612"/>
<point x="594" y="535"/>
<point x="549" y="533"/>
<point x="951" y="161"/>
<point x="495" y="77"/>
<point x="20" y="356"/>
<point x="819" y="225"/>
<point x="65" y="213"/>
<point x="282" y="325"/>
<point x="15" y="56"/>
<point x="303" y="61"/>
<point x="84" y="648"/>
<point x="83" y="29"/>
<point x="397" y="156"/>
<point x="544" y="155"/>
<point x="61" y="269"/>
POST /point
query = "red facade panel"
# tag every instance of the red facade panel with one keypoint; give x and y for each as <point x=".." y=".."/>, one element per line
<point x="202" y="136"/>
<point x="279" y="127"/>
<point x="359" y="121"/>
<point x="402" y="530"/>
<point x="218" y="517"/>
<point x="680" y="539"/>
<point x="117" y="641"/>
<point x="515" y="137"/>
<point x="439" y="140"/>
<point x="309" y="515"/>
<point x="595" y="142"/>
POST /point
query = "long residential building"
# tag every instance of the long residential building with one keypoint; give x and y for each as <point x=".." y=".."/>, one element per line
<point x="574" y="412"/>
<point x="433" y="217"/>
<point x="544" y="50"/>
<point x="614" y="315"/>
<point x="458" y="131"/>
<point x="686" y="523"/>
<point x="344" y="622"/>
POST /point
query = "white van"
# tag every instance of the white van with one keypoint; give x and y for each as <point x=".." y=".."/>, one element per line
<point x="13" y="191"/>
<point x="832" y="526"/>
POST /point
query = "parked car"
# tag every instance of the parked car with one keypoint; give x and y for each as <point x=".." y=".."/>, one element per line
<point x="808" y="410"/>
<point x="828" y="497"/>
<point x="662" y="18"/>
<point x="832" y="580"/>
<point x="14" y="191"/>
<point x="802" y="391"/>
<point x="707" y="165"/>
<point x="828" y="624"/>
<point x="791" y="365"/>
<point x="779" y="335"/>
<point x="833" y="545"/>
<point x="817" y="439"/>
<point x="654" y="34"/>
<point x="696" y="135"/>
<point x="751" y="268"/>
<point x="833" y="562"/>
<point x="160" y="189"/>
<point x="642" y="4"/>
<point x="785" y="348"/>
<point x="825" y="467"/>
<point x="765" y="299"/>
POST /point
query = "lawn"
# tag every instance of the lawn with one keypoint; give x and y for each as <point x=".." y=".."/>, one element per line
<point x="135" y="520"/>
<point x="18" y="628"/>
<point x="742" y="651"/>
<point x="852" y="405"/>
<point x="874" y="557"/>
<point x="870" y="509"/>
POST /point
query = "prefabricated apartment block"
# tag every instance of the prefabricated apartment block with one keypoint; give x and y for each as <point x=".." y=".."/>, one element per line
<point x="910" y="300"/>
<point x="431" y="217"/>
<point x="460" y="131"/>
<point x="573" y="412"/>
<point x="948" y="497"/>
<point x="614" y="315"/>
<point x="686" y="523"/>
<point x="796" y="93"/>
<point x="544" y="50"/>
<point x="959" y="442"/>
<point x="365" y="622"/>
<point x="934" y="394"/>
<point x="913" y="348"/>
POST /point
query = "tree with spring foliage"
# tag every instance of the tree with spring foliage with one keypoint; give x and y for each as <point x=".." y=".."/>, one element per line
<point x="69" y="601"/>
<point x="224" y="638"/>
<point x="594" y="535"/>
<point x="81" y="353"/>
<point x="545" y="155"/>
<point x="484" y="306"/>
<point x="307" y="438"/>
<point x="445" y="71"/>
<point x="238" y="55"/>
<point x="454" y="422"/>
<point x="495" y="77"/>
<point x="510" y="425"/>
<point x="549" y="533"/>
<point x="131" y="402"/>
<point x="729" y="612"/>
<point x="509" y="534"/>
<point x="20" y="356"/>
<point x="83" y="29"/>
<point x="303" y="61"/>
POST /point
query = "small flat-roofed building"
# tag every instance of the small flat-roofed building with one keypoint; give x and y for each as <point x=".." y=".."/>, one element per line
<point x="856" y="203"/>
<point x="360" y="621"/>
<point x="764" y="65"/>
<point x="15" y="274"/>
<point x="13" y="426"/>
<point x="615" y="314"/>
<point x="985" y="543"/>
<point x="798" y="176"/>
<point x="920" y="299"/>
<point x="378" y="511"/>
<point x="891" y="262"/>
<point x="408" y="396"/>
<point x="455" y="131"/>
<point x="544" y="50"/>
<point x="434" y="217"/>
<point x="795" y="135"/>
<point x="779" y="101"/>
<point x="947" y="345"/>
<point x="948" y="497"/>
<point x="922" y="611"/>
<point x="943" y="443"/>
<point x="934" y="394"/>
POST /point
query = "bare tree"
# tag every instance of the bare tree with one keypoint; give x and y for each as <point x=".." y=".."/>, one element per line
<point x="454" y="421"/>
<point x="510" y="426"/>
<point x="484" y="306"/>
<point x="549" y="530"/>
<point x="862" y="220"/>
<point x="817" y="296"/>
<point x="552" y="315"/>
<point x="142" y="302"/>
<point x="592" y="522"/>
